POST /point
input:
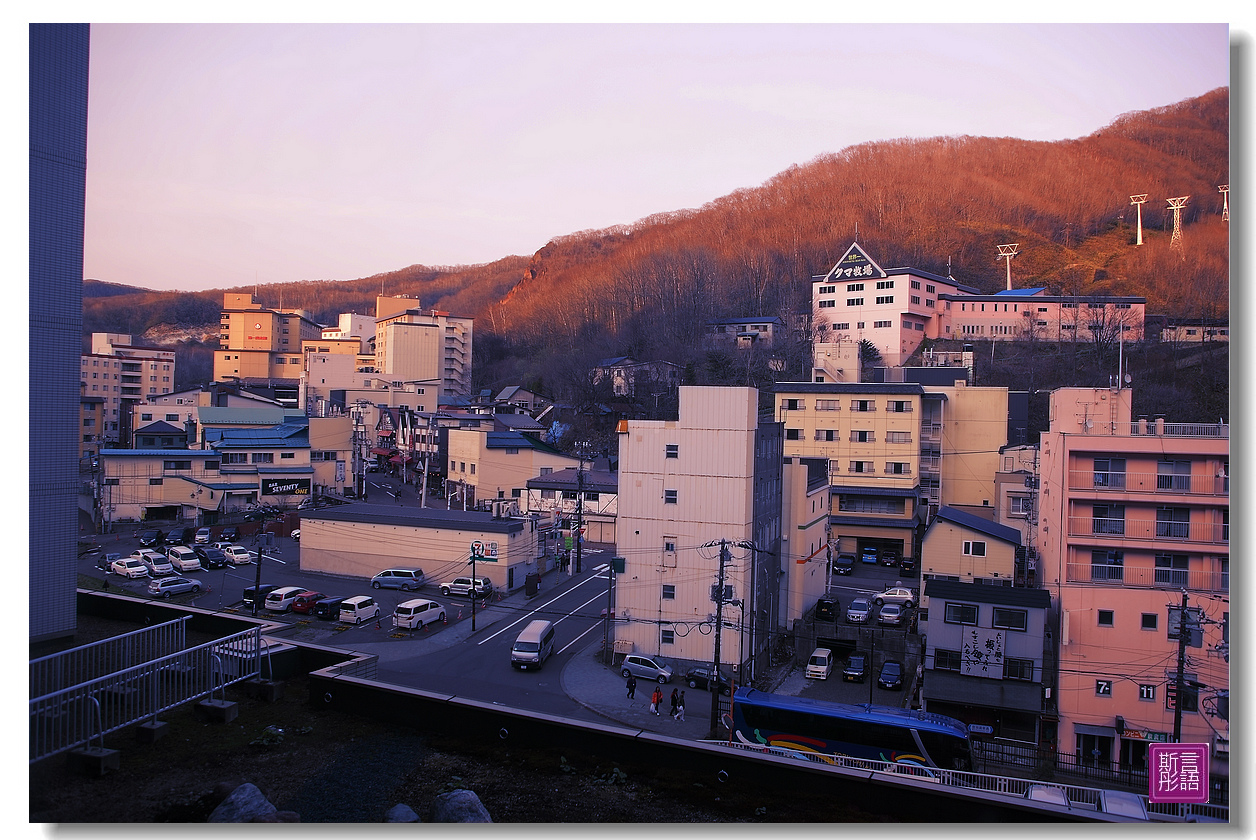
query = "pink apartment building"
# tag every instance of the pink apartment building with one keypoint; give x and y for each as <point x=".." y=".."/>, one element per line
<point x="1134" y="518"/>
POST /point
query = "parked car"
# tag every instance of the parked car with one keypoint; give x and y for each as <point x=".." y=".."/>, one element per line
<point x="820" y="664"/>
<point x="869" y="554"/>
<point x="419" y="612"/>
<point x="889" y="557"/>
<point x="128" y="567"/>
<point x="890" y="614"/>
<point x="891" y="676"/>
<point x="180" y="536"/>
<point x="856" y="669"/>
<point x="827" y="609"/>
<point x="210" y="557"/>
<point x="402" y="578"/>
<point x="151" y="538"/>
<point x="907" y="565"/>
<point x="183" y="558"/>
<point x="844" y="564"/>
<point x="646" y="668"/>
<point x="155" y="561"/>
<point x="238" y="555"/>
<point x="167" y="586"/>
<point x="896" y="595"/>
<point x="280" y="600"/>
<point x="326" y="608"/>
<point x="104" y="561"/>
<point x="463" y="585"/>
<point x="230" y="534"/>
<point x="700" y="677"/>
<point x="358" y="608"/>
<point x="256" y="593"/>
<point x="859" y="611"/>
<point x="305" y="601"/>
<point x="296" y="535"/>
<point x="202" y="536"/>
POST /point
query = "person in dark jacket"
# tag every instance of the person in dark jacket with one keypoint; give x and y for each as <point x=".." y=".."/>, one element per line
<point x="632" y="687"/>
<point x="675" y="700"/>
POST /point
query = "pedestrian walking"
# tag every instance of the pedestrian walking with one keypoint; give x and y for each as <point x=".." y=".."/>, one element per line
<point x="656" y="700"/>
<point x="680" y="708"/>
<point x="632" y="687"/>
<point x="675" y="700"/>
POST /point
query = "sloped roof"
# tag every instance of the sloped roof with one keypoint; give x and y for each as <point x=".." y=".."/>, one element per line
<point x="160" y="427"/>
<point x="1012" y="596"/>
<point x="976" y="523"/>
<point x="259" y="415"/>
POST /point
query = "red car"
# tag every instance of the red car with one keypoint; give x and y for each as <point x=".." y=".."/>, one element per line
<point x="304" y="602"/>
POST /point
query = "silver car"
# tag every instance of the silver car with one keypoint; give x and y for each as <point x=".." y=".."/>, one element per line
<point x="896" y="595"/>
<point x="890" y="614"/>
<point x="646" y="668"/>
<point x="165" y="587"/>
<point x="859" y="611"/>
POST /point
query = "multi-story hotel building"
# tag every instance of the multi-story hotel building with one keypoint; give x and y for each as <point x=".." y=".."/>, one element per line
<point x="123" y="375"/>
<point x="261" y="344"/>
<point x="700" y="496"/>
<point x="1134" y="522"/>
<point x="417" y="345"/>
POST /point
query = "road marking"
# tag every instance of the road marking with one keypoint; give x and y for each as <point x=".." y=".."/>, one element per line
<point x="531" y="613"/>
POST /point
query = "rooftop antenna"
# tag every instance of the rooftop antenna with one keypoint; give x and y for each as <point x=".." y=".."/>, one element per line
<point x="1007" y="252"/>
<point x="1176" y="205"/>
<point x="1137" y="201"/>
<point x="948" y="268"/>
<point x="856" y="231"/>
<point x="1224" y="189"/>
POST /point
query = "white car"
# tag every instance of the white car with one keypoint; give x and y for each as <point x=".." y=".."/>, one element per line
<point x="896" y="595"/>
<point x="296" y="535"/>
<point x="128" y="567"/>
<point x="155" y="561"/>
<point x="202" y="536"/>
<point x="219" y="545"/>
<point x="183" y="558"/>
<point x="280" y="600"/>
<point x="237" y="554"/>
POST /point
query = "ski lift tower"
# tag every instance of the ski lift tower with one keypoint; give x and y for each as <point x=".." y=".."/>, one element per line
<point x="1224" y="189"/>
<point x="1176" y="205"/>
<point x="1137" y="201"/>
<point x="1007" y="252"/>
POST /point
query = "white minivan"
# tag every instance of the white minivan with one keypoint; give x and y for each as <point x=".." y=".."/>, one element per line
<point x="820" y="665"/>
<point x="359" y="608"/>
<point x="183" y="558"/>
<point x="534" y="645"/>
<point x="417" y="613"/>
<point x="280" y="600"/>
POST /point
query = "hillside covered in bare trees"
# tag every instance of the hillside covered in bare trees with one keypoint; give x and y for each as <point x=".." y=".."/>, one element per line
<point x="940" y="204"/>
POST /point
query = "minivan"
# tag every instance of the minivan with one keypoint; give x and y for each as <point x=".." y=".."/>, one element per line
<point x="183" y="558"/>
<point x="820" y="665"/>
<point x="326" y="608"/>
<point x="280" y="600"/>
<point x="359" y="608"/>
<point x="202" y="536"/>
<point x="258" y="593"/>
<point x="398" y="579"/>
<point x="417" y="613"/>
<point x="180" y="536"/>
<point x="534" y="645"/>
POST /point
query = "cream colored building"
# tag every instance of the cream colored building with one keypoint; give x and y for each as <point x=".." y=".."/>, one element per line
<point x="805" y="549"/>
<point x="498" y="464"/>
<point x="967" y="548"/>
<point x="259" y="343"/>
<point x="414" y="344"/>
<point x="122" y="375"/>
<point x="361" y="540"/>
<point x="697" y="494"/>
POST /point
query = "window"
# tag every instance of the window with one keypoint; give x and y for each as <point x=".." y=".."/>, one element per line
<point x="287" y="455"/>
<point x="1103" y="688"/>
<point x="1172" y="569"/>
<point x="1105" y="618"/>
<point x="793" y="405"/>
<point x="930" y="302"/>
<point x="1110" y="472"/>
<point x="793" y="434"/>
<point x="827" y="435"/>
<point x="915" y="299"/>
<point x="172" y="418"/>
<point x="1020" y="505"/>
<point x="263" y="458"/>
<point x="828" y="304"/>
<point x="1173" y="522"/>
<point x="854" y="287"/>
<point x="898" y="437"/>
<point x="885" y="284"/>
<point x="1018" y="669"/>
<point x="669" y="592"/>
<point x="975" y="548"/>
<point x="842" y="326"/>
<point x="885" y="298"/>
<point x="1150" y="621"/>
<point x="329" y="456"/>
<point x="671" y="450"/>
<point x="930" y="288"/>
<point x="1011" y="619"/>
<point x="669" y="497"/>
<point x="1107" y="564"/>
<point x="176" y="465"/>
<point x="863" y="405"/>
<point x="946" y="660"/>
<point x="667" y="637"/>
<point x="863" y="436"/>
<point x="155" y="481"/>
<point x="235" y="457"/>
<point x="961" y="614"/>
<point x="897" y="468"/>
<point x="1173" y="475"/>
<point x="862" y="467"/>
<point x="146" y="417"/>
<point x="1108" y="519"/>
<point x="854" y="301"/>
<point x="828" y="405"/>
<point x="898" y="406"/>
<point x="828" y="290"/>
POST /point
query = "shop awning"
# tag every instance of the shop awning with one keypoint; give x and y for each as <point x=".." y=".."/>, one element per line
<point x="379" y="451"/>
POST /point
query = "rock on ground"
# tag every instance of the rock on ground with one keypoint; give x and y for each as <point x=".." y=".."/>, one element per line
<point x="245" y="804"/>
<point x="401" y="813"/>
<point x="459" y="806"/>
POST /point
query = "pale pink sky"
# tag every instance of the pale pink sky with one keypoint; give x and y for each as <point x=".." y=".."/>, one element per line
<point x="231" y="154"/>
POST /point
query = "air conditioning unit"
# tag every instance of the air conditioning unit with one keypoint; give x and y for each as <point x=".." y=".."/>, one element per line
<point x="1223" y="746"/>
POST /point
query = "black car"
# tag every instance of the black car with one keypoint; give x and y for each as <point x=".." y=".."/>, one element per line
<point x="211" y="558"/>
<point x="827" y="609"/>
<point x="844" y="564"/>
<point x="180" y="536"/>
<point x="907" y="565"/>
<point x="856" y="669"/>
<point x="230" y="534"/>
<point x="151" y="538"/>
<point x="701" y="678"/>
<point x="891" y="676"/>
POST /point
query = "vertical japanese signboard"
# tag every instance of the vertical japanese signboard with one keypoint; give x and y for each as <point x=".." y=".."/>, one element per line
<point x="1177" y="772"/>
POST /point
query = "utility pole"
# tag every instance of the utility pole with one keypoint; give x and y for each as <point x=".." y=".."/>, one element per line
<point x="427" y="456"/>
<point x="1183" y="638"/>
<point x="473" y="582"/>
<point x="607" y="655"/>
<point x="719" y="632"/>
<point x="579" y="513"/>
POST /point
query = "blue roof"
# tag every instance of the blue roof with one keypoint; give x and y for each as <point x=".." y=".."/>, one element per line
<point x="1036" y="290"/>
<point x="977" y="523"/>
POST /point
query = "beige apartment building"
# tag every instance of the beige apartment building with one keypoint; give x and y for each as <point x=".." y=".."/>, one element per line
<point x="414" y="344"/>
<point x="1134" y="521"/>
<point x="700" y="502"/>
<point x="494" y="464"/>
<point x="261" y="344"/>
<point x="805" y="548"/>
<point x="122" y="375"/>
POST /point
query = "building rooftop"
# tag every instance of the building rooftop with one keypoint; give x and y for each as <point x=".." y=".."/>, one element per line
<point x="372" y="514"/>
<point x="976" y="523"/>
<point x="1012" y="596"/>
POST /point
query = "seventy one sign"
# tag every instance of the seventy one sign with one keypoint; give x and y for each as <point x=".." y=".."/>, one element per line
<point x="285" y="487"/>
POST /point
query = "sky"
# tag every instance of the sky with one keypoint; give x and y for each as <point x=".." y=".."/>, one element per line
<point x="224" y="155"/>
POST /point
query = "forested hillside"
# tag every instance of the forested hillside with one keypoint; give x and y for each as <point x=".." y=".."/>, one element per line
<point x="938" y="204"/>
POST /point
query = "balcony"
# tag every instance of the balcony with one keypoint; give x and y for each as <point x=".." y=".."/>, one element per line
<point x="1198" y="580"/>
<point x="1151" y="530"/>
<point x="1149" y="482"/>
<point x="1162" y="429"/>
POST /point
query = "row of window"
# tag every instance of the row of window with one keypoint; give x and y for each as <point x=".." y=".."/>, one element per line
<point x="1002" y="617"/>
<point x="856" y="436"/>
<point x="151" y="365"/>
<point x="892" y="406"/>
<point x="1013" y="669"/>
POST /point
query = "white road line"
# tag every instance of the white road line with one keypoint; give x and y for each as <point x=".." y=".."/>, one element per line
<point x="528" y="615"/>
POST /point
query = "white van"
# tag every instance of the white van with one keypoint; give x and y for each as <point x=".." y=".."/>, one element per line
<point x="417" y="613"/>
<point x="359" y="608"/>
<point x="280" y="600"/>
<point x="820" y="665"/>
<point x="183" y="558"/>
<point x="534" y="645"/>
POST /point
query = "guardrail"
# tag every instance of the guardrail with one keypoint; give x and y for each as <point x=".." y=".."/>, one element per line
<point x="80" y="664"/>
<point x="72" y="717"/>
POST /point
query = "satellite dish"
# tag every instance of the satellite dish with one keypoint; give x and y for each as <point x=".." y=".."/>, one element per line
<point x="1127" y="379"/>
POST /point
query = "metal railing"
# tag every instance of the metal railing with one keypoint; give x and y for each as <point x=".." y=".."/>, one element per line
<point x="89" y="709"/>
<point x="1204" y="580"/>
<point x="1143" y="528"/>
<point x="1149" y="482"/>
<point x="80" y="664"/>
